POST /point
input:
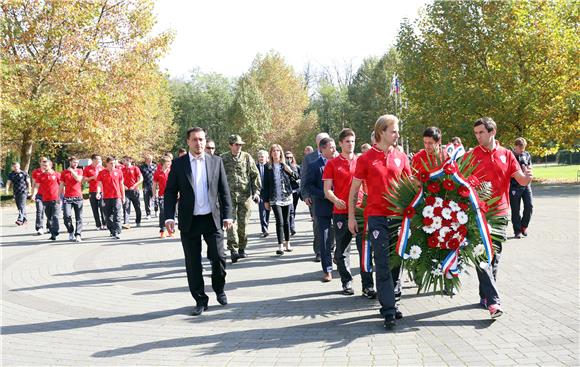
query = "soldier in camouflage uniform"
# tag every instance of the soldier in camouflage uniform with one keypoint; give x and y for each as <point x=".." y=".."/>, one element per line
<point x="245" y="185"/>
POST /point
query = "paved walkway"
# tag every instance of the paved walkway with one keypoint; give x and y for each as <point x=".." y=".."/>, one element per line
<point x="127" y="303"/>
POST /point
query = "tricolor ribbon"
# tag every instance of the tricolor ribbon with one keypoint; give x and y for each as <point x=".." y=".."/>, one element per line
<point x="450" y="262"/>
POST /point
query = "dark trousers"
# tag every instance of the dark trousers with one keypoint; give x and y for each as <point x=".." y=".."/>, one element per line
<point x="161" y="214"/>
<point x="20" y="199"/>
<point x="518" y="194"/>
<point x="315" y="230"/>
<point x="147" y="199"/>
<point x="342" y="253"/>
<point x="295" y="198"/>
<point x="282" y="215"/>
<point x="203" y="225"/>
<point x="52" y="210"/>
<point x="381" y="237"/>
<point x="264" y="216"/>
<point x="97" y="206"/>
<point x="113" y="210"/>
<point x="326" y="241"/>
<point x="39" y="223"/>
<point x="68" y="206"/>
<point x="132" y="196"/>
<point x="488" y="277"/>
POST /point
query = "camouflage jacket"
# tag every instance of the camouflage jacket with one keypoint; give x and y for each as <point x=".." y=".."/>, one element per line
<point x="243" y="175"/>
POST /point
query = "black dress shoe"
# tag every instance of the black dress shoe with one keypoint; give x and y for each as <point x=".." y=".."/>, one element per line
<point x="317" y="258"/>
<point x="222" y="299"/>
<point x="389" y="322"/>
<point x="243" y="254"/>
<point x="235" y="256"/>
<point x="198" y="310"/>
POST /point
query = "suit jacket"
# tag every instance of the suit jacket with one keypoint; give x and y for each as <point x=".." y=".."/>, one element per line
<point x="313" y="183"/>
<point x="304" y="170"/>
<point x="180" y="181"/>
<point x="261" y="174"/>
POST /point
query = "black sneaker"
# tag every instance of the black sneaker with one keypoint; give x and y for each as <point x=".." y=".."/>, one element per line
<point x="317" y="258"/>
<point x="398" y="313"/>
<point x="390" y="322"/>
<point x="369" y="293"/>
<point x="397" y="296"/>
<point x="243" y="254"/>
<point x="52" y="238"/>
<point x="347" y="289"/>
<point x="235" y="256"/>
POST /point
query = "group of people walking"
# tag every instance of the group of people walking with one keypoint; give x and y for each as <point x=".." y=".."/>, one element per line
<point x="205" y="194"/>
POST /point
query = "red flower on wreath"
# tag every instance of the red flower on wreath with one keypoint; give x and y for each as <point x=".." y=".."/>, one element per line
<point x="409" y="212"/>
<point x="437" y="211"/>
<point x="453" y="244"/>
<point x="434" y="187"/>
<point x="427" y="221"/>
<point x="473" y="181"/>
<point x="433" y="242"/>
<point x="463" y="191"/>
<point x="462" y="230"/>
<point x="463" y="206"/>
<point x="448" y="185"/>
<point x="430" y="200"/>
<point x="450" y="168"/>
<point x="424" y="176"/>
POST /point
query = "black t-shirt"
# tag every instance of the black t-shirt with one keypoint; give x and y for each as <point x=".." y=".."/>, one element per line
<point x="19" y="181"/>
<point x="525" y="160"/>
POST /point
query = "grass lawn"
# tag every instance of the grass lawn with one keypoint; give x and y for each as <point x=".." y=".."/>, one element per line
<point x="555" y="173"/>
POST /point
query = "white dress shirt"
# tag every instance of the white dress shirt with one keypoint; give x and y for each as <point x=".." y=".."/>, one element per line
<point x="200" y="185"/>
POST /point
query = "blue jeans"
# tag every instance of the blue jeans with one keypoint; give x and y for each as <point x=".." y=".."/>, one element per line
<point x="20" y="199"/>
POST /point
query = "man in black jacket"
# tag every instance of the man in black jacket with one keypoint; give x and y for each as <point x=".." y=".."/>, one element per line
<point x="205" y="209"/>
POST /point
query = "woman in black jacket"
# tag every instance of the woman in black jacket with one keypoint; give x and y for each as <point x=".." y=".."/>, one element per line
<point x="291" y="161"/>
<point x="277" y="195"/>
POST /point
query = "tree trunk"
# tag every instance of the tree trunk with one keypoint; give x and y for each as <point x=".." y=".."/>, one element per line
<point x="26" y="151"/>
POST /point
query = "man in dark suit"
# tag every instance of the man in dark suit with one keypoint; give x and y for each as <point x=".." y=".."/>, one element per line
<point x="322" y="206"/>
<point x="205" y="208"/>
<point x="305" y="193"/>
<point x="264" y="214"/>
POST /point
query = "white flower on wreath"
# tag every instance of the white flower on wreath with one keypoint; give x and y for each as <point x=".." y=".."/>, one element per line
<point x="457" y="235"/>
<point x="438" y="271"/>
<point x="429" y="229"/>
<point x="454" y="206"/>
<point x="446" y="213"/>
<point x="478" y="250"/>
<point x="415" y="252"/>
<point x="443" y="231"/>
<point x="455" y="226"/>
<point x="428" y="211"/>
<point x="436" y="222"/>
<point x="462" y="217"/>
<point x="438" y="202"/>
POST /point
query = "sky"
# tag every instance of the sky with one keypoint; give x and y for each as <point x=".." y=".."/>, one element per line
<point x="224" y="36"/>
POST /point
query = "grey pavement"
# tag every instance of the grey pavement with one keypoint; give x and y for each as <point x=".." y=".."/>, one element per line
<point x="104" y="302"/>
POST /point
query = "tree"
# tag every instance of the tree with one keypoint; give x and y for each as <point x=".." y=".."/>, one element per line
<point x="512" y="60"/>
<point x="82" y="76"/>
<point x="204" y="100"/>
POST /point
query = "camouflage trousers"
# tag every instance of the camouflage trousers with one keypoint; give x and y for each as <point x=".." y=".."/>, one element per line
<point x="237" y="237"/>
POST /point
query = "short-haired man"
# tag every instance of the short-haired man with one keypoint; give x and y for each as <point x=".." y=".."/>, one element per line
<point x="245" y="186"/>
<point x="337" y="177"/>
<point x="159" y="184"/>
<point x="111" y="184"/>
<point x="37" y="196"/>
<point x="147" y="171"/>
<point x="307" y="150"/>
<point x="263" y="212"/>
<point x="322" y="206"/>
<point x="521" y="192"/>
<point x="306" y="196"/>
<point x="365" y="147"/>
<point x="210" y="146"/>
<point x="90" y="174"/>
<point x="131" y="179"/>
<point x="428" y="158"/>
<point x="456" y="141"/>
<point x="20" y="182"/>
<point x="181" y="152"/>
<point x="496" y="165"/>
<point x="379" y="167"/>
<point x="71" y="185"/>
<point x="49" y="182"/>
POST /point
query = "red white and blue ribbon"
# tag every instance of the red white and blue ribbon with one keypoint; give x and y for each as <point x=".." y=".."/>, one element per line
<point x="450" y="263"/>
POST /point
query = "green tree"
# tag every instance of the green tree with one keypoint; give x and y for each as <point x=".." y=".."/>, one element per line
<point x="82" y="76"/>
<point x="515" y="61"/>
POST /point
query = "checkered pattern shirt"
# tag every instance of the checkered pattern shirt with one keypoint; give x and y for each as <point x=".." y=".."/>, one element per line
<point x="147" y="171"/>
<point x="19" y="183"/>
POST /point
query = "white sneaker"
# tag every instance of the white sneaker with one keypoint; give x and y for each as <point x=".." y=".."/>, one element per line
<point x="78" y="238"/>
<point x="148" y="217"/>
<point x="40" y="231"/>
<point x="71" y="236"/>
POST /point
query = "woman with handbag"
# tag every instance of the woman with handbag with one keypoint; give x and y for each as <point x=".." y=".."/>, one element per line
<point x="277" y="195"/>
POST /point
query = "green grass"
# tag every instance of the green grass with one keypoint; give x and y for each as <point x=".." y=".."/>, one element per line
<point x="554" y="173"/>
